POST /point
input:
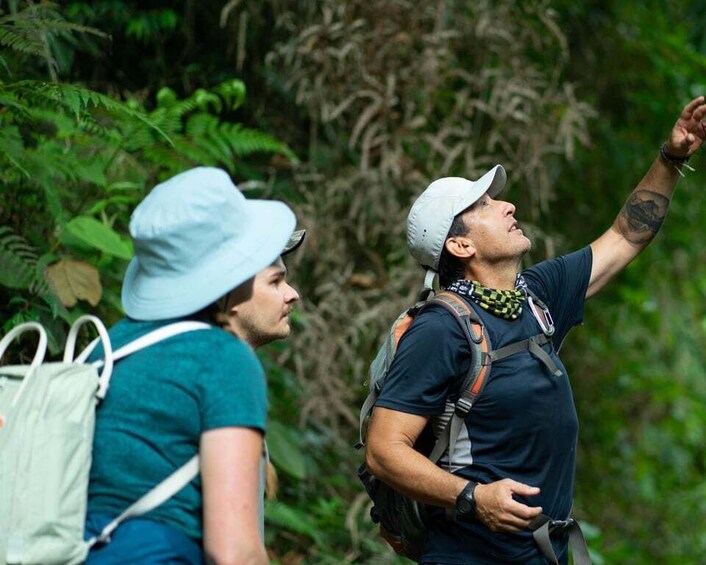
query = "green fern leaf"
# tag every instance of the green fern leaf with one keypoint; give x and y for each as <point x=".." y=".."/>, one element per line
<point x="12" y="147"/>
<point x="18" y="261"/>
<point x="76" y="100"/>
<point x="20" y="42"/>
<point x="245" y="141"/>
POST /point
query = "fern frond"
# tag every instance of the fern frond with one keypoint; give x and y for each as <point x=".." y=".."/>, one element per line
<point x="196" y="152"/>
<point x="61" y="26"/>
<point x="200" y="124"/>
<point x="244" y="141"/>
<point x="20" y="42"/>
<point x="8" y="100"/>
<point x="12" y="147"/>
<point x="184" y="152"/>
<point x="204" y="131"/>
<point x="25" y="31"/>
<point x="168" y="160"/>
<point x="176" y="109"/>
<point x="18" y="261"/>
<point x="76" y="100"/>
<point x="225" y="141"/>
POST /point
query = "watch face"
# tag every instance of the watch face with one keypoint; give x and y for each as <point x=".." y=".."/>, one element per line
<point x="466" y="503"/>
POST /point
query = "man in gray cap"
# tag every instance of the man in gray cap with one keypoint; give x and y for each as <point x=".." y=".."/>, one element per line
<point x="515" y="457"/>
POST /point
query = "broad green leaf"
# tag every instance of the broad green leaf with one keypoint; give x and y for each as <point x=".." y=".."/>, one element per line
<point x="291" y="519"/>
<point x="284" y="445"/>
<point x="99" y="236"/>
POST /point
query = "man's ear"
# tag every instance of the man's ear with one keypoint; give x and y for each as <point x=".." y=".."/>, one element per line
<point x="460" y="247"/>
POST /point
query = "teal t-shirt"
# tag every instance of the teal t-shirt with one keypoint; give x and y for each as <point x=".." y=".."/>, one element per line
<point x="160" y="401"/>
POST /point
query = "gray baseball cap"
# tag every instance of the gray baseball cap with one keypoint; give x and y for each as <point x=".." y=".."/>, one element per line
<point x="432" y="214"/>
<point x="295" y="240"/>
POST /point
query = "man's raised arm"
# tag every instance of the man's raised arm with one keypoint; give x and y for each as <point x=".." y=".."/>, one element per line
<point x="642" y="215"/>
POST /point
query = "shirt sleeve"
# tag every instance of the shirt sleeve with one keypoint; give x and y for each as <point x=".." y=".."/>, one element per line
<point x="431" y="356"/>
<point x="233" y="387"/>
<point x="561" y="284"/>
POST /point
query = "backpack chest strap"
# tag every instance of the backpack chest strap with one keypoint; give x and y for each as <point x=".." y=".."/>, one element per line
<point x="544" y="528"/>
<point x="534" y="346"/>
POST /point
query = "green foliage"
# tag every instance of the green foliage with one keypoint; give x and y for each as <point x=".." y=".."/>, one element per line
<point x="377" y="97"/>
<point x="18" y="262"/>
<point x="73" y="164"/>
<point x="38" y="30"/>
<point x="638" y="366"/>
<point x="96" y="234"/>
<point x="151" y="24"/>
<point x="285" y="446"/>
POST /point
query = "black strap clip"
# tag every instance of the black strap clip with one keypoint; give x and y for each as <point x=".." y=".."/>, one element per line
<point x="560" y="526"/>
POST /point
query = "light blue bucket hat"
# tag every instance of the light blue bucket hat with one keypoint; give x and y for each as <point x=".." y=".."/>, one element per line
<point x="196" y="237"/>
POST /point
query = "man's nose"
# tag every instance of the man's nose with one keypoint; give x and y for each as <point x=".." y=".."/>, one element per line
<point x="508" y="208"/>
<point x="292" y="295"/>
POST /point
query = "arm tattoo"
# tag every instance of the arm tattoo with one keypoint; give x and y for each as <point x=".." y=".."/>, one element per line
<point x="642" y="216"/>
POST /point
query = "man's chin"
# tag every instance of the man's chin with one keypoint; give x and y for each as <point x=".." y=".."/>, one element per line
<point x="528" y="245"/>
<point x="280" y="333"/>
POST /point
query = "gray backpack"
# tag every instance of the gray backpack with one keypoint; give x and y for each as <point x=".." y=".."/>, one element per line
<point x="47" y="417"/>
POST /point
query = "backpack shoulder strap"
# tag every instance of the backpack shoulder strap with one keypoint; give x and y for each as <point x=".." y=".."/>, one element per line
<point x="160" y="334"/>
<point x="155" y="497"/>
<point x="478" y="373"/>
<point x="151" y="338"/>
<point x="377" y="371"/>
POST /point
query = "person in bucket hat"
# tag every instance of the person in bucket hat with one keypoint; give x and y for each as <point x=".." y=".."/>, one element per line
<point x="203" y="252"/>
<point x="514" y="460"/>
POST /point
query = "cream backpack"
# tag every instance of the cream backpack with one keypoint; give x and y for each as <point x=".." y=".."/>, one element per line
<point x="47" y="418"/>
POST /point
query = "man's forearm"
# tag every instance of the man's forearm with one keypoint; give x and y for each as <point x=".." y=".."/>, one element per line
<point x="410" y="472"/>
<point x="644" y="211"/>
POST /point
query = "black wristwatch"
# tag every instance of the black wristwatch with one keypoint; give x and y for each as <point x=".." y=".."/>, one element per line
<point x="466" y="502"/>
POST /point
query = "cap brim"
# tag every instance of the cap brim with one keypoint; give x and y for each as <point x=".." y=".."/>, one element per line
<point x="265" y="235"/>
<point x="296" y="239"/>
<point x="492" y="182"/>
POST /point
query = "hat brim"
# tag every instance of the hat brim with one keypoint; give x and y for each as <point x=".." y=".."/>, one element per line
<point x="492" y="182"/>
<point x="296" y="239"/>
<point x="266" y="233"/>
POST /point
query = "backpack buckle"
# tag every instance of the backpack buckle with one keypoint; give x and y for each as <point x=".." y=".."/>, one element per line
<point x="560" y="526"/>
<point x="463" y="407"/>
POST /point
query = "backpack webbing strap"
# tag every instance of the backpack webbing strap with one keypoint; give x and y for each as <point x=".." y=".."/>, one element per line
<point x="543" y="528"/>
<point x="389" y="348"/>
<point x="534" y="346"/>
<point x="184" y="474"/>
<point x="158" y="495"/>
<point x="38" y="358"/>
<point x="370" y="401"/>
<point x="147" y="340"/>
<point x="478" y="372"/>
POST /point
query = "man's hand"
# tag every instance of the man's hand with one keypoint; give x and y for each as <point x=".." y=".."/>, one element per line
<point x="690" y="130"/>
<point x="499" y="511"/>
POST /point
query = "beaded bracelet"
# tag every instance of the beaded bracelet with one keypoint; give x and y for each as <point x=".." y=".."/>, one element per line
<point x="675" y="161"/>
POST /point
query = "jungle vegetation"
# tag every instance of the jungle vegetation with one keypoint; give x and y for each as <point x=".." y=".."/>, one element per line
<point x="346" y="110"/>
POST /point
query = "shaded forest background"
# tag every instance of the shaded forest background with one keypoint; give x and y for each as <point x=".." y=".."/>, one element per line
<point x="346" y="110"/>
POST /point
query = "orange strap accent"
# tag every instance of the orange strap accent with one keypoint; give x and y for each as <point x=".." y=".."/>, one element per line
<point x="401" y="328"/>
<point x="395" y="542"/>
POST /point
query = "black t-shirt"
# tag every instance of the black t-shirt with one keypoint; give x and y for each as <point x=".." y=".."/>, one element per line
<point x="524" y="424"/>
